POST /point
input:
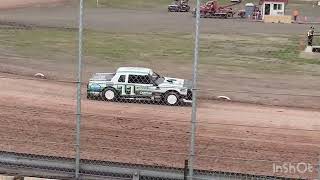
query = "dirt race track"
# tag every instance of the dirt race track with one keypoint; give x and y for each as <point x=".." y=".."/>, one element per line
<point x="38" y="116"/>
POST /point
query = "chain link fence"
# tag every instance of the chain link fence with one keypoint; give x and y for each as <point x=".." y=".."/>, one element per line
<point x="257" y="95"/>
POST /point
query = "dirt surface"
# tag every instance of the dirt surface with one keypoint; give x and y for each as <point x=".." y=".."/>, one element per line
<point x="281" y="90"/>
<point x="12" y="4"/>
<point x="38" y="116"/>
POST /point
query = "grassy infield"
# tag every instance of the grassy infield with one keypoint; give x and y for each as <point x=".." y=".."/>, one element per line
<point x="128" y="4"/>
<point x="272" y="55"/>
<point x="137" y="4"/>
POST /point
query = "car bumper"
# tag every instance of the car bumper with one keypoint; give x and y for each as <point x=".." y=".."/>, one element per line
<point x="93" y="94"/>
<point x="187" y="101"/>
<point x="188" y="97"/>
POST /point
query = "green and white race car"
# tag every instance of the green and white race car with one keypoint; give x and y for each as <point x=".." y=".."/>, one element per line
<point x="139" y="83"/>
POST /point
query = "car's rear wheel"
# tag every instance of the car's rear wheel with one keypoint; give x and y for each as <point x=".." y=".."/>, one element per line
<point x="109" y="94"/>
<point x="172" y="99"/>
<point x="229" y="15"/>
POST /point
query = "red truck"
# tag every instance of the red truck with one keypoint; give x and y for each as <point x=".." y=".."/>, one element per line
<point x="212" y="9"/>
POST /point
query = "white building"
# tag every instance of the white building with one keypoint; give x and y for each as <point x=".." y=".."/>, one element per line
<point x="273" y="7"/>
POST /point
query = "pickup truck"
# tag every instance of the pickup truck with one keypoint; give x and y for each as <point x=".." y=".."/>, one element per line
<point x="139" y="83"/>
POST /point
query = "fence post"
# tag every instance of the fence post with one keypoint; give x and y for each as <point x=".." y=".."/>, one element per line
<point x="318" y="168"/>
<point x="78" y="119"/>
<point x="194" y="92"/>
<point x="186" y="168"/>
<point x="136" y="176"/>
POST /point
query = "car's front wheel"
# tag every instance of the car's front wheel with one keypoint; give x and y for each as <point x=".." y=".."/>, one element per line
<point x="89" y="96"/>
<point x="172" y="99"/>
<point x="109" y="94"/>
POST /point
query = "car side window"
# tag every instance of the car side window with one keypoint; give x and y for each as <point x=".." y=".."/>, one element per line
<point x="139" y="79"/>
<point x="122" y="78"/>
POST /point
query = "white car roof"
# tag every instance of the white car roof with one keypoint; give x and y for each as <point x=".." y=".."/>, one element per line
<point x="139" y="70"/>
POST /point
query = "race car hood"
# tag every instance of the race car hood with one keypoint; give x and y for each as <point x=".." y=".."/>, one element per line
<point x="175" y="82"/>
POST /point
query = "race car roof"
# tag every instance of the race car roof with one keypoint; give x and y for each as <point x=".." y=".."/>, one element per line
<point x="134" y="70"/>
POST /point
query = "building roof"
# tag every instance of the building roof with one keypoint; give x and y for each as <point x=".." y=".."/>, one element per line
<point x="284" y="1"/>
<point x="139" y="70"/>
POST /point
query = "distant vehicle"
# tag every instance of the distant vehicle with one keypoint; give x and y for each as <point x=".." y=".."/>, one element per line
<point x="140" y="84"/>
<point x="179" y="6"/>
<point x="212" y="9"/>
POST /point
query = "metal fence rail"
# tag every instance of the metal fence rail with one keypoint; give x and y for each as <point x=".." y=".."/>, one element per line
<point x="63" y="168"/>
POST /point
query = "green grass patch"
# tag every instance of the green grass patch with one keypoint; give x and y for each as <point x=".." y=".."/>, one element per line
<point x="141" y="4"/>
<point x="133" y="4"/>
<point x="136" y="46"/>
<point x="259" y="54"/>
<point x="291" y="52"/>
<point x="44" y="43"/>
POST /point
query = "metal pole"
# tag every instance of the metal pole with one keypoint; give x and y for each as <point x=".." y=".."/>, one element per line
<point x="194" y="93"/>
<point x="80" y="36"/>
<point x="97" y="3"/>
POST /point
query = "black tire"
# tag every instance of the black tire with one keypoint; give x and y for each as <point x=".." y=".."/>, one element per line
<point x="172" y="99"/>
<point x="229" y="15"/>
<point x="109" y="94"/>
<point x="89" y="96"/>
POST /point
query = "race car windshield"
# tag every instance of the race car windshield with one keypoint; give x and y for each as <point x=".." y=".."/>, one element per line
<point x="157" y="78"/>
